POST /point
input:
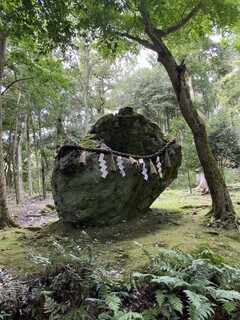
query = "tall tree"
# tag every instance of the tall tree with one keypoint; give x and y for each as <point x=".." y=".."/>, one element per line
<point x="28" y="19"/>
<point x="161" y="26"/>
<point x="5" y="218"/>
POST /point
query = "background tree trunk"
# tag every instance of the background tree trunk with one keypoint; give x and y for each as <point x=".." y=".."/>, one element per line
<point x="37" y="158"/>
<point x="44" y="192"/>
<point x="22" y="135"/>
<point x="14" y="163"/>
<point x="5" y="218"/>
<point x="29" y="162"/>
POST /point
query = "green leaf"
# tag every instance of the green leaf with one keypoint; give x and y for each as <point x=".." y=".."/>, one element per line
<point x="160" y="296"/>
<point x="131" y="316"/>
<point x="176" y="303"/>
<point x="200" y="308"/>
<point x="229" y="306"/>
<point x="113" y="302"/>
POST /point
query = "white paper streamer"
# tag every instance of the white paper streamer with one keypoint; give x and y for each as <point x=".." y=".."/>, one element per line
<point x="159" y="167"/>
<point x="120" y="165"/>
<point x="144" y="169"/>
<point x="102" y="165"/>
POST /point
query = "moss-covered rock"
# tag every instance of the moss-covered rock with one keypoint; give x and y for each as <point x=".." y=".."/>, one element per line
<point x="83" y="197"/>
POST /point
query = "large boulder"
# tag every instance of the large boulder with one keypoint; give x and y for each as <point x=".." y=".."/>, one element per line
<point x="83" y="197"/>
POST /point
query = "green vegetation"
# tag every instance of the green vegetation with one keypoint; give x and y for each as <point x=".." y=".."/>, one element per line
<point x="63" y="65"/>
<point x="172" y="262"/>
<point x="169" y="284"/>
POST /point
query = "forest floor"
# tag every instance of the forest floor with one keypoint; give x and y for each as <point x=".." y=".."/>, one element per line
<point x="177" y="219"/>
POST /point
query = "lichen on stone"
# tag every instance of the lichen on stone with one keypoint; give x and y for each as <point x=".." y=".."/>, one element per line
<point x="83" y="197"/>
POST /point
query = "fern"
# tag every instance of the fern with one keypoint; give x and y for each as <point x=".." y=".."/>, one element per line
<point x="200" y="308"/>
<point x="229" y="306"/>
<point x="175" y="303"/>
<point x="160" y="297"/>
<point x="131" y="316"/>
<point x="171" y="282"/>
<point x="113" y="302"/>
<point x="224" y="295"/>
<point x="150" y="314"/>
<point x="51" y="307"/>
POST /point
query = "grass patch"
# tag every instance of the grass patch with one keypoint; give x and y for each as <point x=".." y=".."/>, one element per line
<point x="176" y="220"/>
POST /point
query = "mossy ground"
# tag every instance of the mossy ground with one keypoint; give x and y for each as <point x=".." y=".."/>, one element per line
<point x="177" y="220"/>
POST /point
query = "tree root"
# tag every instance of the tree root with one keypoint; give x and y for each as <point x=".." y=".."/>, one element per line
<point x="228" y="221"/>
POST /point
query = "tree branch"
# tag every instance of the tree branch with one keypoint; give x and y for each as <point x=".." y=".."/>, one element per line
<point x="17" y="80"/>
<point x="180" y="24"/>
<point x="143" y="42"/>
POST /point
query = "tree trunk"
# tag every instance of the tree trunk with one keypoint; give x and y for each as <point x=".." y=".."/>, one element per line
<point x="14" y="163"/>
<point x="9" y="161"/>
<point x="37" y="158"/>
<point x="222" y="207"/>
<point x="29" y="162"/>
<point x="61" y="134"/>
<point x="85" y="85"/>
<point x="5" y="218"/>
<point x="42" y="156"/>
<point x="19" y="153"/>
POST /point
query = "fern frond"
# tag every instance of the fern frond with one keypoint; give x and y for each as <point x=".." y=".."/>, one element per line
<point x="172" y="282"/>
<point x="200" y="308"/>
<point x="229" y="306"/>
<point x="223" y="295"/>
<point x="176" y="303"/>
<point x="160" y="297"/>
<point x="113" y="302"/>
<point x="51" y="307"/>
<point x="131" y="316"/>
<point x="150" y="314"/>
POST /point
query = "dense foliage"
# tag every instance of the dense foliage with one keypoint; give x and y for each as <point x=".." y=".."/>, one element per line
<point x="172" y="285"/>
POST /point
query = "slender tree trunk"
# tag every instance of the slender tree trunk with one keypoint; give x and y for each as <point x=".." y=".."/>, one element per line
<point x="222" y="207"/>
<point x="14" y="163"/>
<point x="189" y="182"/>
<point x="42" y="156"/>
<point x="85" y="88"/>
<point x="37" y="160"/>
<point x="61" y="134"/>
<point x="29" y="162"/>
<point x="19" y="153"/>
<point x="5" y="218"/>
<point x="10" y="155"/>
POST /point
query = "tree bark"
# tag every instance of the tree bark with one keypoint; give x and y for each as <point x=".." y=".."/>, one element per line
<point x="5" y="218"/>
<point x="19" y="155"/>
<point x="222" y="207"/>
<point x="37" y="158"/>
<point x="14" y="163"/>
<point x="44" y="192"/>
<point x="29" y="162"/>
<point x="9" y="176"/>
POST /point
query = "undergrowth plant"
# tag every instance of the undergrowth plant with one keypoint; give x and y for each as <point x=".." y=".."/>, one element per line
<point x="173" y="285"/>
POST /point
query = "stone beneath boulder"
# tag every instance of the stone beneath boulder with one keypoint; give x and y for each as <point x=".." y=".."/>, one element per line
<point x="83" y="197"/>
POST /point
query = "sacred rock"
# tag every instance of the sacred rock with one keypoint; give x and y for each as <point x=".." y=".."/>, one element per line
<point x="115" y="172"/>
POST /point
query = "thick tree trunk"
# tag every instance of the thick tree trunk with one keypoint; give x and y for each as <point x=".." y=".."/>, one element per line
<point x="5" y="218"/>
<point x="222" y="207"/>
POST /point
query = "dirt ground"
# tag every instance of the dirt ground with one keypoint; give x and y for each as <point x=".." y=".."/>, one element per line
<point x="31" y="211"/>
